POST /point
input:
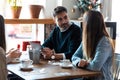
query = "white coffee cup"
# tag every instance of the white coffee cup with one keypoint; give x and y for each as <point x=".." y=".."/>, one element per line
<point x="26" y="63"/>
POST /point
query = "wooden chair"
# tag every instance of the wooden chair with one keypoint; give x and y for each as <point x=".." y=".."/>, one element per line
<point x="111" y="28"/>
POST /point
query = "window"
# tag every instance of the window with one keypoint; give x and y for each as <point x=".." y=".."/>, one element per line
<point x="116" y="17"/>
<point x="17" y="33"/>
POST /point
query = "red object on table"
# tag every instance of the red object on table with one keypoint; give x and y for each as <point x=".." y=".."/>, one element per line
<point x="25" y="43"/>
<point x="18" y="46"/>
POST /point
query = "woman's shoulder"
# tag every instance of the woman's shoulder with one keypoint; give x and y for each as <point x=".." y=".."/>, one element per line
<point x="104" y="41"/>
<point x="104" y="38"/>
<point x="2" y="50"/>
<point x="2" y="55"/>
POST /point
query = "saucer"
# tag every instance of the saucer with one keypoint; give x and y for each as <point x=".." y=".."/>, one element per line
<point x="16" y="60"/>
<point x="26" y="69"/>
<point x="67" y="67"/>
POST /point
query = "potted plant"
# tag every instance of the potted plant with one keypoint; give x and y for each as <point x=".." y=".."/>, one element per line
<point x="85" y="5"/>
<point x="35" y="10"/>
<point x="15" y="7"/>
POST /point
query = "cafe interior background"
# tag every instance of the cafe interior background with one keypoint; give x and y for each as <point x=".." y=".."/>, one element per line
<point x="17" y="33"/>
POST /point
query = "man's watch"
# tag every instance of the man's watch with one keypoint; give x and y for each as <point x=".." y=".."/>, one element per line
<point x="53" y="57"/>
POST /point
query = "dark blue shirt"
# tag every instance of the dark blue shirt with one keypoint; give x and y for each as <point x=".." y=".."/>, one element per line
<point x="65" y="42"/>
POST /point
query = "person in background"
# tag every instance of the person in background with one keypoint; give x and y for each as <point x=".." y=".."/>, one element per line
<point x="96" y="49"/>
<point x="5" y="57"/>
<point x="64" y="39"/>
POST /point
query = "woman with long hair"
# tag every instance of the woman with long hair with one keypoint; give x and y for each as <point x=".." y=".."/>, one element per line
<point x="96" y="50"/>
<point x="5" y="57"/>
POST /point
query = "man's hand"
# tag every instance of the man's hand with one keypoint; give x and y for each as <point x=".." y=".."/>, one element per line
<point x="47" y="53"/>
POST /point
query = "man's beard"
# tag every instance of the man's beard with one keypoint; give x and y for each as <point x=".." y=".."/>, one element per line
<point x="64" y="27"/>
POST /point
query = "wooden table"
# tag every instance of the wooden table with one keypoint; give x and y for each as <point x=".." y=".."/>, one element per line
<point x="45" y="71"/>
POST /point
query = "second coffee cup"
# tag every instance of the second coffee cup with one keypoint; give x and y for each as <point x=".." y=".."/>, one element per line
<point x="26" y="63"/>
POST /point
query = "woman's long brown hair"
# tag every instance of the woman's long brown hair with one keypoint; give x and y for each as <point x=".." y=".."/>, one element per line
<point x="2" y="33"/>
<point x="93" y="30"/>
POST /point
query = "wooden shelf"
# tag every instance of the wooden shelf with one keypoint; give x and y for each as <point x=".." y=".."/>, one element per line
<point x="29" y="21"/>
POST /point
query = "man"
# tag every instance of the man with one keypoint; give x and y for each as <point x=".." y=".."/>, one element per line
<point x="64" y="39"/>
